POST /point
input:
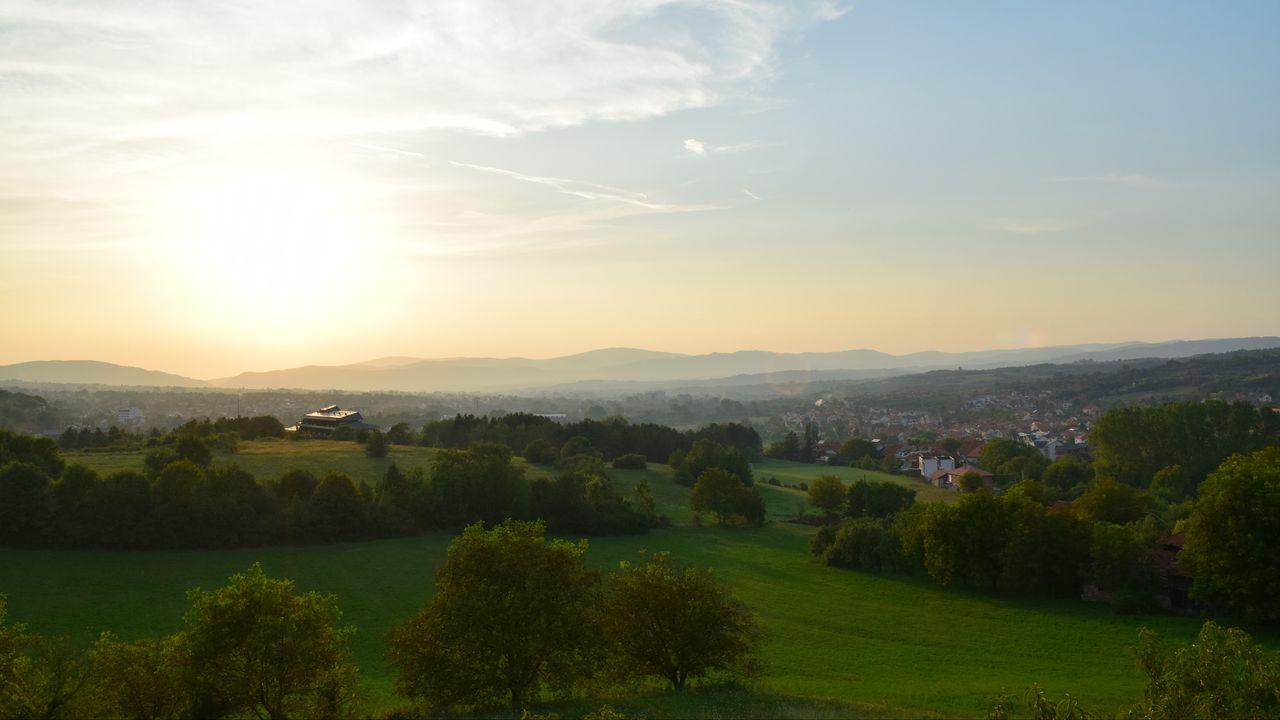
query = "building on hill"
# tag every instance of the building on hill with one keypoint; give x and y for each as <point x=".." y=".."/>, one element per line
<point x="950" y="479"/>
<point x="927" y="464"/>
<point x="323" y="422"/>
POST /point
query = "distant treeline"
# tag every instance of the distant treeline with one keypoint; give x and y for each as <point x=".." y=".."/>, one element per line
<point x="611" y="437"/>
<point x="223" y="432"/>
<point x="183" y="499"/>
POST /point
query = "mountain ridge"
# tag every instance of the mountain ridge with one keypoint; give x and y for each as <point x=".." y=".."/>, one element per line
<point x="623" y="367"/>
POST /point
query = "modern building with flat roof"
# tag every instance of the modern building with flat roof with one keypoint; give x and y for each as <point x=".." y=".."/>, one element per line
<point x="323" y="422"/>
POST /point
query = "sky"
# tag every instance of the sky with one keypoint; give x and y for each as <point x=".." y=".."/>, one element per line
<point x="210" y="188"/>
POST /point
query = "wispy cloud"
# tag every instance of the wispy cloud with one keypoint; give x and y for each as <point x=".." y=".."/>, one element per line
<point x="184" y="86"/>
<point x="394" y="151"/>
<point x="1126" y="180"/>
<point x="750" y="194"/>
<point x="590" y="191"/>
<point x="1034" y="227"/>
<point x="697" y="147"/>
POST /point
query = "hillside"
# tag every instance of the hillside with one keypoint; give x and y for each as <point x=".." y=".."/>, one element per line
<point x="92" y="372"/>
<point x="629" y="370"/>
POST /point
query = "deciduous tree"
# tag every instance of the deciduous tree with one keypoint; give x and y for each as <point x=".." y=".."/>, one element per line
<point x="826" y="493"/>
<point x="510" y="616"/>
<point x="676" y="623"/>
<point x="1232" y="533"/>
<point x="257" y="647"/>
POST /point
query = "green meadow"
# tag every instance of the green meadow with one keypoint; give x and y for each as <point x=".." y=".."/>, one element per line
<point x="840" y="643"/>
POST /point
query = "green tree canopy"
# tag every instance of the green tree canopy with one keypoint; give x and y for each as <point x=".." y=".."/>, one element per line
<point x="722" y="493"/>
<point x="1231" y="536"/>
<point x="826" y="493"/>
<point x="1223" y="675"/>
<point x="510" y="616"/>
<point x="255" y="646"/>
<point x="676" y="623"/>
<point x="857" y="449"/>
<point x="376" y="446"/>
<point x="707" y="453"/>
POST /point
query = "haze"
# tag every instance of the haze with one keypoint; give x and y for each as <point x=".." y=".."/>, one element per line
<point x="212" y="188"/>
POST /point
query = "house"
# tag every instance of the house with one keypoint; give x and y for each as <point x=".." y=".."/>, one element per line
<point x="950" y="479"/>
<point x="927" y="464"/>
<point x="323" y="422"/>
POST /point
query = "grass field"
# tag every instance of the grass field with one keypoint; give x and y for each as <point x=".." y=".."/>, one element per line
<point x="841" y="643"/>
<point x="269" y="459"/>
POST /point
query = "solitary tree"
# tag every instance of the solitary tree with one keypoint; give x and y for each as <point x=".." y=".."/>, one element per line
<point x="676" y="623"/>
<point x="256" y="647"/>
<point x="510" y="615"/>
<point x="826" y="493"/>
<point x="376" y="447"/>
<point x="721" y="492"/>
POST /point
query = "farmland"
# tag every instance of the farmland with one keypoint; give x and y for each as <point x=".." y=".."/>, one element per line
<point x="886" y="644"/>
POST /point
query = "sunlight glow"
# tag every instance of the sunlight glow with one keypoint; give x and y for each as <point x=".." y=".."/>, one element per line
<point x="269" y="246"/>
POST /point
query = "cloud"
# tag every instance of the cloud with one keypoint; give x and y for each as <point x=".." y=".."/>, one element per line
<point x="697" y="147"/>
<point x="490" y="67"/>
<point x="1034" y="227"/>
<point x="589" y="191"/>
<point x="750" y="194"/>
<point x="1121" y="179"/>
<point x="394" y="151"/>
<point x="93" y="90"/>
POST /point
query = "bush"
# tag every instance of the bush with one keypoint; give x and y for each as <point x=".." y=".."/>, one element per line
<point x="630" y="461"/>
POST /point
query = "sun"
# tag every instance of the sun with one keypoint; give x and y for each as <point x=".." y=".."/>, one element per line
<point x="274" y="237"/>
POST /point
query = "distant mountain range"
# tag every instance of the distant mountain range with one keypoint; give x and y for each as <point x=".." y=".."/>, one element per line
<point x="615" y="368"/>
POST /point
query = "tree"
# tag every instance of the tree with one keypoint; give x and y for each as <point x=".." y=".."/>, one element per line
<point x="121" y="508"/>
<point x="1067" y="472"/>
<point x="479" y="483"/>
<point x="1222" y="675"/>
<point x="577" y="445"/>
<point x="857" y="449"/>
<point x="376" y="447"/>
<point x="255" y="646"/>
<point x="878" y="499"/>
<point x="194" y="450"/>
<point x="721" y="492"/>
<point x="143" y="679"/>
<point x="400" y="434"/>
<point x="24" y="504"/>
<point x="510" y="615"/>
<point x="337" y="509"/>
<point x="676" y="623"/>
<point x="707" y="453"/>
<point x="787" y="449"/>
<point x="1106" y="500"/>
<point x="1231" y="536"/>
<point x="826" y="493"/>
<point x="809" y="446"/>
<point x="540" y="452"/>
<point x="970" y="482"/>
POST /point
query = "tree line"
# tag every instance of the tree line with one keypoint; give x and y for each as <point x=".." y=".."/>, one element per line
<point x="184" y="499"/>
<point x="1022" y="541"/>
<point x="612" y="437"/>
<point x="515" y="618"/>
<point x="223" y="432"/>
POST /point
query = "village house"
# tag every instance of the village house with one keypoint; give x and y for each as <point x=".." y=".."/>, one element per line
<point x="950" y="479"/>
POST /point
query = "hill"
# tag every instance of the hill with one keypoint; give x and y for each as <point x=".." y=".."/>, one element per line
<point x="92" y="372"/>
<point x="625" y="369"/>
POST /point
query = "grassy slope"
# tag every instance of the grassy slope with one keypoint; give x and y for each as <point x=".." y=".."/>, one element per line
<point x="894" y="646"/>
